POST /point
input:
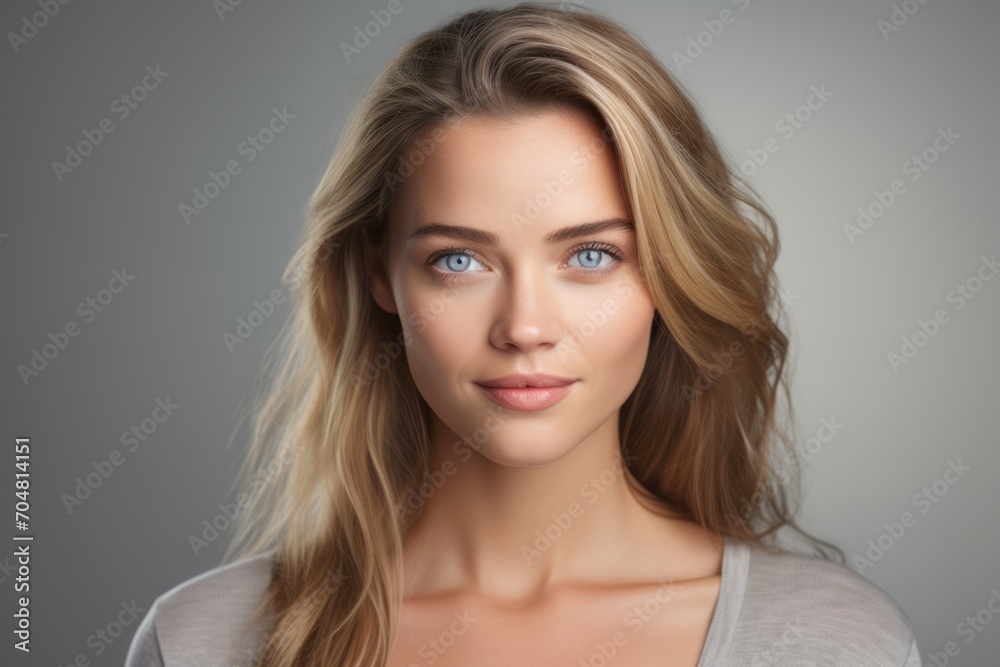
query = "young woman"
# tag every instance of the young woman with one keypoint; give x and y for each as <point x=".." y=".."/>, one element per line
<point x="528" y="407"/>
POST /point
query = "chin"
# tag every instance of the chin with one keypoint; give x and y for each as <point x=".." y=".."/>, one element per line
<point x="520" y="459"/>
<point x="536" y="447"/>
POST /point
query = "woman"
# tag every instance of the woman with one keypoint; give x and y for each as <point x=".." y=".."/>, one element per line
<point x="528" y="406"/>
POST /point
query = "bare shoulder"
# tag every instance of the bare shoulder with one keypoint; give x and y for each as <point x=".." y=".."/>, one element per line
<point x="808" y="606"/>
<point x="210" y="619"/>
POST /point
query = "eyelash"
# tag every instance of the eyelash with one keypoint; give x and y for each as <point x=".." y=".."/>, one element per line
<point x="592" y="245"/>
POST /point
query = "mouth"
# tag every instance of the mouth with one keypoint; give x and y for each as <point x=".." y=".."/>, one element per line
<point x="526" y="394"/>
<point x="522" y="380"/>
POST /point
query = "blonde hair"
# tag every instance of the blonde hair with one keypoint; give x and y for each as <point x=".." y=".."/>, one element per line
<point x="341" y="430"/>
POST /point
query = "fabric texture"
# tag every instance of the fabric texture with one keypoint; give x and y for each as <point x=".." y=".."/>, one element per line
<point x="773" y="609"/>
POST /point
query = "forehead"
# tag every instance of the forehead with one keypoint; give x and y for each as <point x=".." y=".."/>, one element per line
<point x="518" y="176"/>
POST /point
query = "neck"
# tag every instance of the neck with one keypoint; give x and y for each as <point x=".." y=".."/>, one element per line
<point x="518" y="533"/>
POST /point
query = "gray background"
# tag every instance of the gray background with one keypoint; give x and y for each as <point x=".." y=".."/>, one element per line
<point x="162" y="336"/>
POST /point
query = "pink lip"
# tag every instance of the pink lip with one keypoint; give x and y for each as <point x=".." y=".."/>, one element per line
<point x="527" y="380"/>
<point x="526" y="392"/>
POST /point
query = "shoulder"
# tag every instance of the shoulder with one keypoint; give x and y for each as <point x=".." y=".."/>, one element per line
<point x="809" y="608"/>
<point x="208" y="619"/>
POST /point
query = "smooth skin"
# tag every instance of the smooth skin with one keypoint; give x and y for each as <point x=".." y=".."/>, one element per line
<point x="533" y="550"/>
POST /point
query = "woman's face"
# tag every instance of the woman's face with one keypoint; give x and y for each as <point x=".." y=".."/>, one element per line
<point x="490" y="279"/>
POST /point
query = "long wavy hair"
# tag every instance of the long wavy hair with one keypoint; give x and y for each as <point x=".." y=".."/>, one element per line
<point x="339" y="439"/>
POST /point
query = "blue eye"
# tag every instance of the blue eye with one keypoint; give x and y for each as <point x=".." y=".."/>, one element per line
<point x="592" y="255"/>
<point x="457" y="260"/>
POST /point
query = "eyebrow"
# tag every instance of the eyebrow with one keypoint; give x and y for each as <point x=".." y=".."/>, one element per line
<point x="489" y="238"/>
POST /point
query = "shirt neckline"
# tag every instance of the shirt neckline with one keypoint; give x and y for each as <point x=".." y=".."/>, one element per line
<point x="732" y="586"/>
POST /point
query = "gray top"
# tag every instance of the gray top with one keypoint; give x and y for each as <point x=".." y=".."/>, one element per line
<point x="773" y="609"/>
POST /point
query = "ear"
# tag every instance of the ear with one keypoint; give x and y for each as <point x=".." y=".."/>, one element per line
<point x="378" y="283"/>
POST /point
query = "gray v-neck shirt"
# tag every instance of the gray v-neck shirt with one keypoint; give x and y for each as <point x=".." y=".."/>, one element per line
<point x="773" y="609"/>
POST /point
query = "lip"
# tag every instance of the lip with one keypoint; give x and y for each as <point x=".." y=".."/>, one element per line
<point x="526" y="392"/>
<point x="521" y="380"/>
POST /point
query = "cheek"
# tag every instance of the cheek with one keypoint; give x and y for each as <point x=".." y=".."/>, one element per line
<point x="441" y="330"/>
<point x="612" y="335"/>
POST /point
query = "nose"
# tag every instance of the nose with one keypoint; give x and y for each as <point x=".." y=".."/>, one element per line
<point x="527" y="315"/>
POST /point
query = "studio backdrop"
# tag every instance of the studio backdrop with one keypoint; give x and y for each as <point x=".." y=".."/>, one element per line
<point x="158" y="159"/>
